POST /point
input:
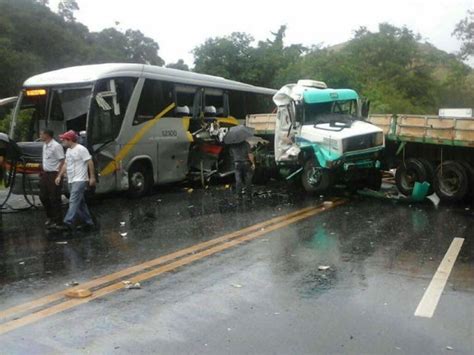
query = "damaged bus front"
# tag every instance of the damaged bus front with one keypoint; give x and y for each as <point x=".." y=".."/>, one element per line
<point x="320" y="132"/>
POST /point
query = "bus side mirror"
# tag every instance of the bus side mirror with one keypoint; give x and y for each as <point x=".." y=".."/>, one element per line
<point x="365" y="108"/>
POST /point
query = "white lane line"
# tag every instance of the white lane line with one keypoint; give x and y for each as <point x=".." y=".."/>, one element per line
<point x="430" y="299"/>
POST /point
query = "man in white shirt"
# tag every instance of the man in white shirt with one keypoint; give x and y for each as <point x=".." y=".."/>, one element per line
<point x="50" y="193"/>
<point x="79" y="169"/>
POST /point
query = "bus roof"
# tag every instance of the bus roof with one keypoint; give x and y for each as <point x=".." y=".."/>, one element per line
<point x="90" y="73"/>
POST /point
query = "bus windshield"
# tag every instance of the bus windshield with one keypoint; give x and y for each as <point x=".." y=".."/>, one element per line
<point x="59" y="109"/>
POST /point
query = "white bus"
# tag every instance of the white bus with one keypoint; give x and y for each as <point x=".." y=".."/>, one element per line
<point x="144" y="125"/>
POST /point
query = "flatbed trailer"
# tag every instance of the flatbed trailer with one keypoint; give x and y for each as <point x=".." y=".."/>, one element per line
<point x="438" y="150"/>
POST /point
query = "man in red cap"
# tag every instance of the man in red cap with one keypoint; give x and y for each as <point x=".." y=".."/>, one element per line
<point x="79" y="169"/>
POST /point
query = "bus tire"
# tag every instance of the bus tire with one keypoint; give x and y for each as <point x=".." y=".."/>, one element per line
<point x="315" y="179"/>
<point x="451" y="181"/>
<point x="140" y="180"/>
<point x="411" y="171"/>
<point x="374" y="179"/>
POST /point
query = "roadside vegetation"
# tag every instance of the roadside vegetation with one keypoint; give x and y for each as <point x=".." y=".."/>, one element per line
<point x="394" y="67"/>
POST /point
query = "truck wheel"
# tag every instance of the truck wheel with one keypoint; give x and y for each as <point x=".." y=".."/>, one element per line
<point x="470" y="177"/>
<point x="451" y="181"/>
<point x="139" y="179"/>
<point x="409" y="172"/>
<point x="430" y="173"/>
<point x="315" y="178"/>
<point x="374" y="179"/>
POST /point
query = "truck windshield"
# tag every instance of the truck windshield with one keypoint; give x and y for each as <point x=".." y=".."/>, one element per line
<point x="322" y="112"/>
<point x="59" y="109"/>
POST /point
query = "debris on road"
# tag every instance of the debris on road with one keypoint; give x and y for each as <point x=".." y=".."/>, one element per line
<point x="123" y="234"/>
<point x="236" y="285"/>
<point x="328" y="203"/>
<point x="323" y="267"/>
<point x="190" y="191"/>
<point x="21" y="263"/>
<point x="61" y="243"/>
<point x="122" y="224"/>
<point x="449" y="348"/>
<point x="72" y="283"/>
<point x="132" y="286"/>
<point x="80" y="293"/>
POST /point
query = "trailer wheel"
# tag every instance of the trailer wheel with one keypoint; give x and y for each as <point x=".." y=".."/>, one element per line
<point x="374" y="180"/>
<point x="411" y="171"/>
<point x="315" y="179"/>
<point x="451" y="181"/>
<point x="140" y="180"/>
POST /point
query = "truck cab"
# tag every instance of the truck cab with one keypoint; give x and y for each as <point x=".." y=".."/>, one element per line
<point x="322" y="133"/>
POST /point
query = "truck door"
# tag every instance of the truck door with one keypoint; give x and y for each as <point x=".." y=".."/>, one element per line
<point x="286" y="124"/>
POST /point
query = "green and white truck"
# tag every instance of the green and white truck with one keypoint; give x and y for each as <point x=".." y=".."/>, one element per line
<point x="319" y="135"/>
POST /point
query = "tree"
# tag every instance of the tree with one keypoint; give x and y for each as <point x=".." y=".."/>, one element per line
<point x="464" y="31"/>
<point x="66" y="9"/>
<point x="180" y="64"/>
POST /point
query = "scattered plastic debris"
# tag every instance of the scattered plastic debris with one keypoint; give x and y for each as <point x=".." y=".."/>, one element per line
<point x="449" y="348"/>
<point x="229" y="329"/>
<point x="190" y="191"/>
<point x="227" y="186"/>
<point x="191" y="206"/>
<point x="72" y="283"/>
<point x="61" y="243"/>
<point x="21" y="263"/>
<point x="323" y="267"/>
<point x="122" y="224"/>
<point x="237" y="285"/>
<point x="434" y="198"/>
<point x="123" y="234"/>
<point x="129" y="285"/>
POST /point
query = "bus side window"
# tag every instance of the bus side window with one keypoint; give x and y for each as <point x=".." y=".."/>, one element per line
<point x="106" y="124"/>
<point x="215" y="103"/>
<point x="155" y="97"/>
<point x="237" y="106"/>
<point x="185" y="96"/>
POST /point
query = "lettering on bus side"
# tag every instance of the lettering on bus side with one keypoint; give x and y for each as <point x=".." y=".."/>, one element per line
<point x="169" y="133"/>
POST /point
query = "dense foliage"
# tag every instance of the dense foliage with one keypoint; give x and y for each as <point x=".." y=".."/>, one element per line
<point x="392" y="66"/>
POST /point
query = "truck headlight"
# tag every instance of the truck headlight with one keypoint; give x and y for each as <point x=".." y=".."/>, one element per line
<point x="378" y="139"/>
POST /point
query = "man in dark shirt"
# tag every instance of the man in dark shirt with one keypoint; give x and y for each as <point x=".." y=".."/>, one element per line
<point x="244" y="166"/>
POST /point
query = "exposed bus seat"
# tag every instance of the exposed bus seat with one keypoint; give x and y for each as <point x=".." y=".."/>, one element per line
<point x="220" y="112"/>
<point x="182" y="111"/>
<point x="210" y="111"/>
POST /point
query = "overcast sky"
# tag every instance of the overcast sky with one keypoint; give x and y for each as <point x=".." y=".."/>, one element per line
<point x="180" y="25"/>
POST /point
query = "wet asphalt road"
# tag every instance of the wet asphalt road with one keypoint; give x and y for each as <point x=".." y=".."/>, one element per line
<point x="263" y="296"/>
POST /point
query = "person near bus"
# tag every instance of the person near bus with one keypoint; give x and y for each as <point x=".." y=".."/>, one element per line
<point x="50" y="192"/>
<point x="244" y="164"/>
<point x="79" y="169"/>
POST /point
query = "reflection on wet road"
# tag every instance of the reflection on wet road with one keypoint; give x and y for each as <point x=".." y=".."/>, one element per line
<point x="345" y="280"/>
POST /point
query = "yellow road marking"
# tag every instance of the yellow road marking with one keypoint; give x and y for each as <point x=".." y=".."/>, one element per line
<point x="140" y="267"/>
<point x="429" y="302"/>
<point x="111" y="167"/>
<point x="254" y="232"/>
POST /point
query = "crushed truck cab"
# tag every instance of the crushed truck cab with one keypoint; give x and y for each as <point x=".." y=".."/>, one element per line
<point x="320" y="134"/>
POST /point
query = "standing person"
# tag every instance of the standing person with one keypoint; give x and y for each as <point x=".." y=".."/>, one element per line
<point x="244" y="164"/>
<point x="79" y="169"/>
<point x="50" y="192"/>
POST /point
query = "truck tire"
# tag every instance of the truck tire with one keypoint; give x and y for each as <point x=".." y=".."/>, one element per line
<point x="470" y="176"/>
<point x="315" y="179"/>
<point x="451" y="181"/>
<point x="411" y="171"/>
<point x="430" y="173"/>
<point x="140" y="180"/>
<point x="374" y="180"/>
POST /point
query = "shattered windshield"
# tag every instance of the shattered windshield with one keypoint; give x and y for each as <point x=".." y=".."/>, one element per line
<point x="59" y="109"/>
<point x="330" y="111"/>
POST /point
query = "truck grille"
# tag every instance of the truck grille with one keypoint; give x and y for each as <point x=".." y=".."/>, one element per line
<point x="361" y="142"/>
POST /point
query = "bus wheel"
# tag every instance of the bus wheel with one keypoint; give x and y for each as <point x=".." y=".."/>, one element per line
<point x="451" y="181"/>
<point x="374" y="179"/>
<point x="315" y="179"/>
<point x="409" y="172"/>
<point x="139" y="179"/>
